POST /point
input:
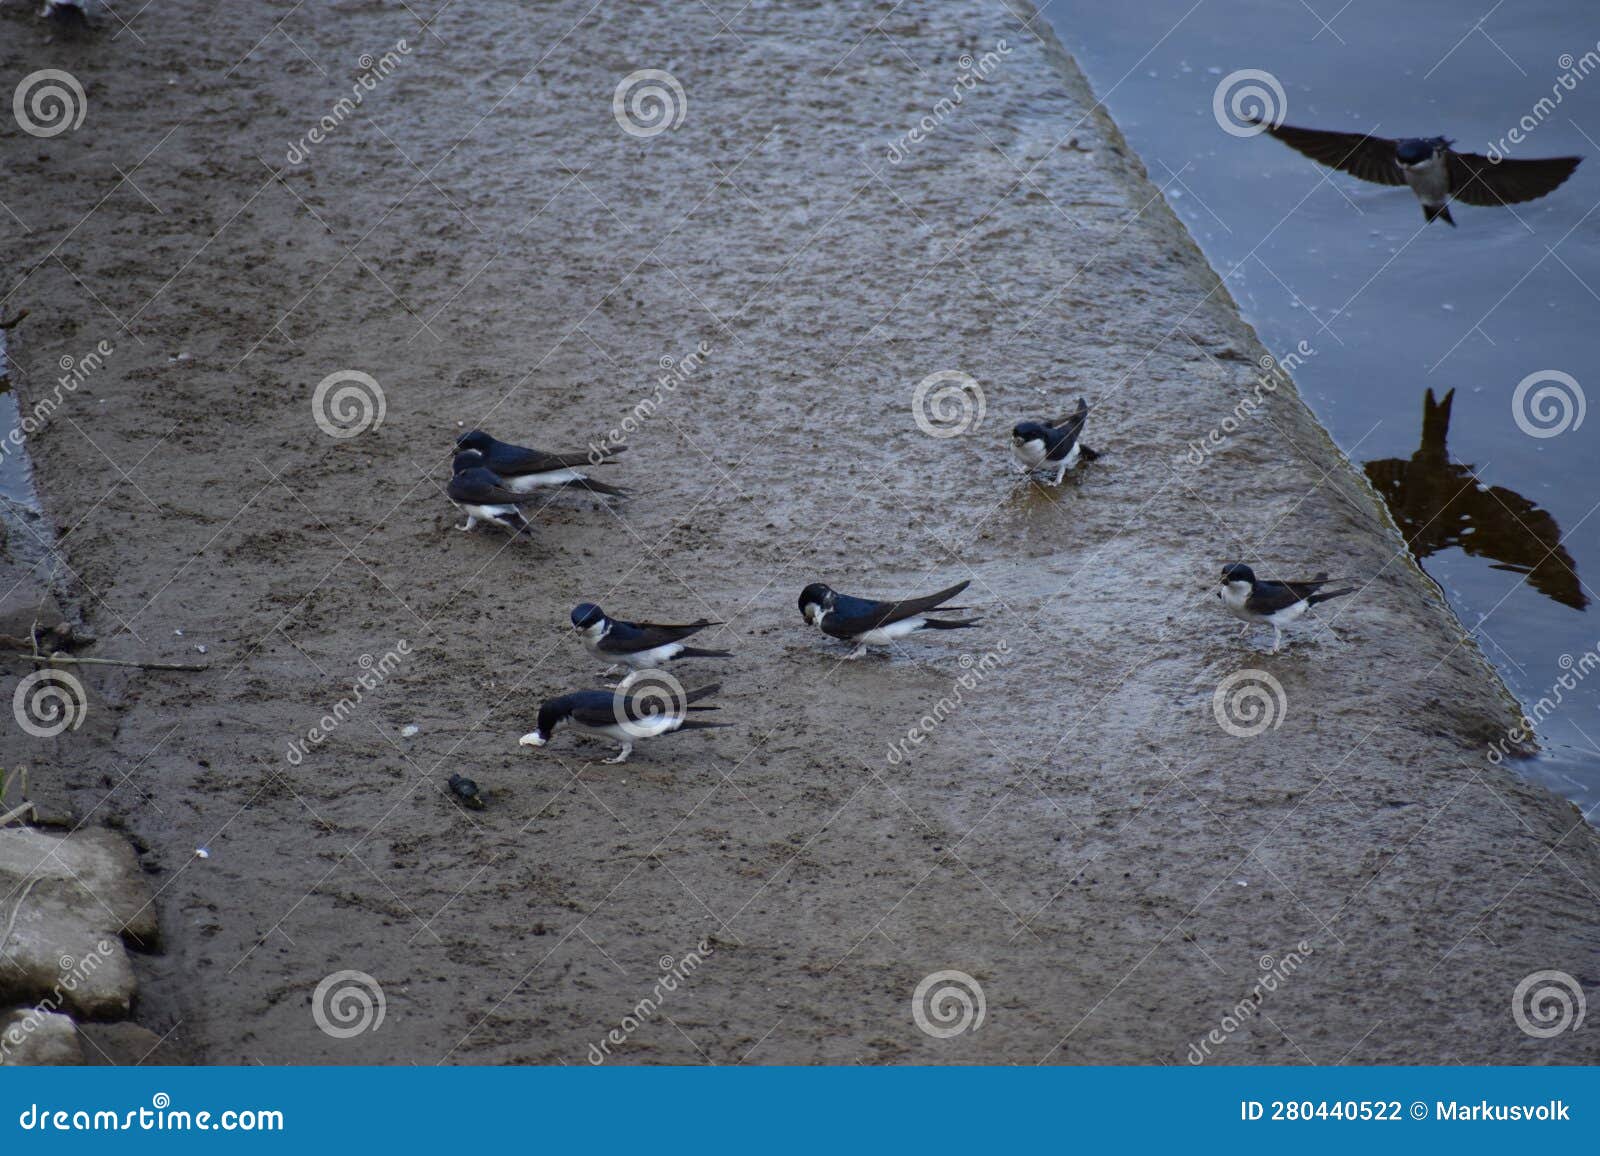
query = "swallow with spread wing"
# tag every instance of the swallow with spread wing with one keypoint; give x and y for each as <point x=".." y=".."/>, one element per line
<point x="1434" y="171"/>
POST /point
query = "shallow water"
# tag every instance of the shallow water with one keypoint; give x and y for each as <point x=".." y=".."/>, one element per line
<point x="1503" y="520"/>
<point x="14" y="483"/>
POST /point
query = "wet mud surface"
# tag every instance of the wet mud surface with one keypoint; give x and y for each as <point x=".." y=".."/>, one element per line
<point x="1079" y="835"/>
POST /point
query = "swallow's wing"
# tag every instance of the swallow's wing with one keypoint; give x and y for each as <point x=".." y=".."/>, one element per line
<point x="479" y="487"/>
<point x="514" y="461"/>
<point x="600" y="709"/>
<point x="1067" y="431"/>
<point x="858" y="615"/>
<point x="632" y="637"/>
<point x="1369" y="157"/>
<point x="1476" y="180"/>
<point x="1271" y="597"/>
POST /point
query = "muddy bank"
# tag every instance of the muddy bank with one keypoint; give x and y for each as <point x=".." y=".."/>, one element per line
<point x="484" y="240"/>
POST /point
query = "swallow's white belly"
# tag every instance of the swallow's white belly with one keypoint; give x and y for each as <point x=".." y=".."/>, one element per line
<point x="884" y="635"/>
<point x="530" y="482"/>
<point x="645" y="659"/>
<point x="1029" y="453"/>
<point x="488" y="513"/>
<point x="1430" y="180"/>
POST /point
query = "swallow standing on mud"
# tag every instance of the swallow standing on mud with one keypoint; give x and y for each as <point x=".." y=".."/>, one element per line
<point x="523" y="469"/>
<point x="1274" y="603"/>
<point x="1037" y="443"/>
<point x="869" y="623"/>
<point x="1435" y="172"/>
<point x="483" y="497"/>
<point x="639" y="646"/>
<point x="623" y="717"/>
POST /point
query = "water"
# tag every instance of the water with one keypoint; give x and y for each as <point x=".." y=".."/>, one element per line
<point x="15" y="488"/>
<point x="1504" y="521"/>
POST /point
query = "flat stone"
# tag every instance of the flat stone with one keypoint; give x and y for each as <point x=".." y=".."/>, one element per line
<point x="127" y="1045"/>
<point x="33" y="1038"/>
<point x="72" y="901"/>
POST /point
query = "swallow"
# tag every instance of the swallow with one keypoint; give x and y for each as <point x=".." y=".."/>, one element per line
<point x="482" y="497"/>
<point x="1435" y="172"/>
<point x="869" y="623"/>
<point x="1275" y="603"/>
<point x="523" y="469"/>
<point x="639" y="646"/>
<point x="69" y="15"/>
<point x="621" y="716"/>
<point x="1037" y="443"/>
<point x="467" y="791"/>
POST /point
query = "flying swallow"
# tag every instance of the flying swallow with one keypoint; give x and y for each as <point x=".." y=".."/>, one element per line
<point x="1275" y="603"/>
<point x="1435" y="172"/>
<point x="869" y="623"/>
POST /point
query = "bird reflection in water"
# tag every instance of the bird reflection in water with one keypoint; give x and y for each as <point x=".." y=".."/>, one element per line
<point x="1439" y="503"/>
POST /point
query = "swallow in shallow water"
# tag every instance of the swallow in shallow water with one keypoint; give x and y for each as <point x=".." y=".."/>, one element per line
<point x="637" y="645"/>
<point x="869" y="623"/>
<point x="622" y="716"/>
<point x="1037" y="443"/>
<point x="483" y="497"/>
<point x="1433" y="170"/>
<point x="523" y="469"/>
<point x="1274" y="603"/>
